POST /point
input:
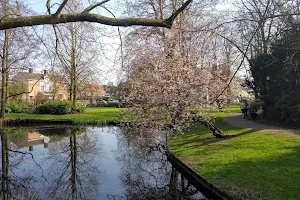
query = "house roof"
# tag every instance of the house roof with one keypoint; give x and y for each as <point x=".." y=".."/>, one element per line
<point x="37" y="76"/>
<point x="28" y="75"/>
<point x="56" y="77"/>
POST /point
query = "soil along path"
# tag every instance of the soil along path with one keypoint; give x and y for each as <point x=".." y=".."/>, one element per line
<point x="237" y="121"/>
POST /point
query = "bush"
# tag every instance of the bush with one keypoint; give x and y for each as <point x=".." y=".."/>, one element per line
<point x="255" y="104"/>
<point x="287" y="108"/>
<point x="16" y="108"/>
<point x="80" y="108"/>
<point x="108" y="103"/>
<point x="54" y="108"/>
<point x="59" y="108"/>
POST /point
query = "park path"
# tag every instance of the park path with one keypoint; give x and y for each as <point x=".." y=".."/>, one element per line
<point x="237" y="121"/>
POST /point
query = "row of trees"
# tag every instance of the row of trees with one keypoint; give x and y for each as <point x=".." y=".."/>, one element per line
<point x="276" y="76"/>
<point x="185" y="67"/>
<point x="76" y="47"/>
<point x="272" y="35"/>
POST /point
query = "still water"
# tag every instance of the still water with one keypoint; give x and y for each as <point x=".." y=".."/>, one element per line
<point x="87" y="163"/>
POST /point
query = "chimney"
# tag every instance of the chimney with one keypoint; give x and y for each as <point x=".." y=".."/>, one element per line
<point x="30" y="70"/>
<point x="45" y="72"/>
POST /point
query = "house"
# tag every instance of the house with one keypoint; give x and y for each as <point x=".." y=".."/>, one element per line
<point x="91" y="92"/>
<point x="34" y="88"/>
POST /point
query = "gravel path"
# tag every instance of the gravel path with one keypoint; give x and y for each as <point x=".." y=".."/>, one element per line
<point x="237" y="121"/>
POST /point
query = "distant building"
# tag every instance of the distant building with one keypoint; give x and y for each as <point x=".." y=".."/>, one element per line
<point x="34" y="88"/>
<point x="91" y="92"/>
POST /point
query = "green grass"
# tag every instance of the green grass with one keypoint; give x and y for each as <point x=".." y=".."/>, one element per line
<point x="249" y="165"/>
<point x="91" y="116"/>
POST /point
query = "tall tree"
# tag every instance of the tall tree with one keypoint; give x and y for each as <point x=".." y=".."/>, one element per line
<point x="17" y="46"/>
<point x="165" y="78"/>
<point x="76" y="51"/>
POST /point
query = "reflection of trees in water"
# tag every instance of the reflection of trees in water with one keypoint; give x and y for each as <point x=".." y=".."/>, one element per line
<point x="67" y="172"/>
<point x="14" y="185"/>
<point x="72" y="166"/>
<point x="146" y="173"/>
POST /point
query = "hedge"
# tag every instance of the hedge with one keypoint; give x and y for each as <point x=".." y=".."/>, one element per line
<point x="16" y="108"/>
<point x="59" y="108"/>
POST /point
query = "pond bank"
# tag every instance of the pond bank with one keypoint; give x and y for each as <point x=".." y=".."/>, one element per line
<point x="29" y="122"/>
<point x="209" y="190"/>
<point x="92" y="116"/>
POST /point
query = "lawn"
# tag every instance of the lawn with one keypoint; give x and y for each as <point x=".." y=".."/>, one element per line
<point x="91" y="116"/>
<point x="250" y="165"/>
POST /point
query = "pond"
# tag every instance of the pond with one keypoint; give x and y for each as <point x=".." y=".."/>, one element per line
<point x="59" y="162"/>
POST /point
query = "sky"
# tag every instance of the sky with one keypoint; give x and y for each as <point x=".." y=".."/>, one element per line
<point x="109" y="65"/>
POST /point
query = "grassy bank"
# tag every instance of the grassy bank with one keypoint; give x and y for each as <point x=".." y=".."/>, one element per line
<point x="250" y="165"/>
<point x="91" y="116"/>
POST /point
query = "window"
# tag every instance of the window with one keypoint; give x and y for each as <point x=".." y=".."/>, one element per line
<point x="42" y="88"/>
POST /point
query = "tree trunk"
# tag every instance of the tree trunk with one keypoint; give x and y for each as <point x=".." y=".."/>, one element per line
<point x="5" y="165"/>
<point x="4" y="71"/>
<point x="208" y="124"/>
<point x="73" y="68"/>
<point x="73" y="165"/>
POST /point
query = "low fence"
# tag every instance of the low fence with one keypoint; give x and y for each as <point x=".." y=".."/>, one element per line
<point x="207" y="189"/>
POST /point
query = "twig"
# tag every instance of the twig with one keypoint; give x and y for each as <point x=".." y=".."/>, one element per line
<point x="88" y="9"/>
<point x="60" y="8"/>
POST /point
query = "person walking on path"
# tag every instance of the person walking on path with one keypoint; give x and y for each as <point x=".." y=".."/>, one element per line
<point x="244" y="108"/>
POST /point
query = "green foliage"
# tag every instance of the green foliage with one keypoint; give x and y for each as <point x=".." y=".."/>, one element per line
<point x="287" y="108"/>
<point x="16" y="108"/>
<point x="59" y="108"/>
<point x="54" y="108"/>
<point x="276" y="76"/>
<point x="80" y="108"/>
<point x="255" y="104"/>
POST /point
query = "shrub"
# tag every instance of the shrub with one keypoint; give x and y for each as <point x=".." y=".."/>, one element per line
<point x="80" y="108"/>
<point x="255" y="104"/>
<point x="59" y="108"/>
<point x="16" y="108"/>
<point x="109" y="103"/>
<point x="114" y="104"/>
<point x="287" y="108"/>
<point x="54" y="108"/>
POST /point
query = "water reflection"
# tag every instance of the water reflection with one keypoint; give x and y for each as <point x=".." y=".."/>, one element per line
<point x="87" y="163"/>
<point x="146" y="173"/>
<point x="70" y="168"/>
<point x="13" y="185"/>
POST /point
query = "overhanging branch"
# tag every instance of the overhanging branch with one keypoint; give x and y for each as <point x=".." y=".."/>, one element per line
<point x="83" y="17"/>
<point x="9" y="23"/>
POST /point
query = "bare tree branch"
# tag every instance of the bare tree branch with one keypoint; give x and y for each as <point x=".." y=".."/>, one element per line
<point x="177" y="12"/>
<point x="57" y="18"/>
<point x="60" y="8"/>
<point x="48" y="5"/>
<point x="88" y="9"/>
<point x="120" y="36"/>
